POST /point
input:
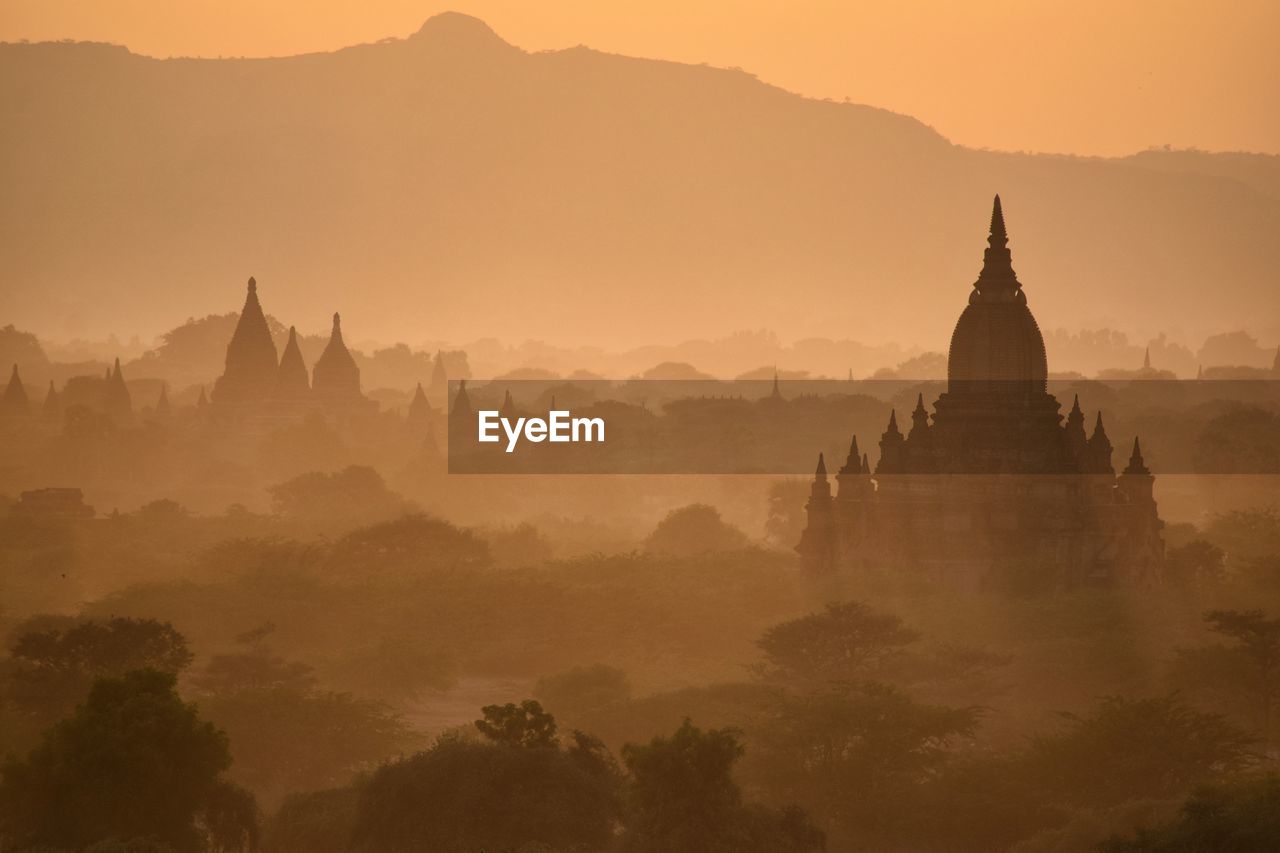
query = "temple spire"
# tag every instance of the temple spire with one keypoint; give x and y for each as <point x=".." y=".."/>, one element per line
<point x="461" y="403"/>
<point x="1136" y="464"/>
<point x="919" y="419"/>
<point x="822" y="467"/>
<point x="14" y="401"/>
<point x="1099" y="431"/>
<point x="335" y="378"/>
<point x="419" y="407"/>
<point x="52" y="404"/>
<point x="997" y="282"/>
<point x="851" y="464"/>
<point x="1146" y="360"/>
<point x="998" y="234"/>
<point x="119" y="402"/>
<point x="1100" y="448"/>
<point x="292" y="380"/>
<point x="891" y="447"/>
<point x="250" y="372"/>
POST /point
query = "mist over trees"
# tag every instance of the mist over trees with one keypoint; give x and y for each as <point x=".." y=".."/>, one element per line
<point x="696" y="696"/>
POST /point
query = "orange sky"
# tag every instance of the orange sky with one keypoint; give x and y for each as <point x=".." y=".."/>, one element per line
<point x="1086" y="76"/>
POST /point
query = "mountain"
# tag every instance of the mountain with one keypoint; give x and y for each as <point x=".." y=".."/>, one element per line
<point x="452" y="186"/>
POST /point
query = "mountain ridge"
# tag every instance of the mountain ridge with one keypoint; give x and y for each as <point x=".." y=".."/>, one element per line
<point x="454" y="180"/>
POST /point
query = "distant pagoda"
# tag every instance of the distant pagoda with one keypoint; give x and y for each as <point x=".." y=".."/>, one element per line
<point x="256" y="385"/>
<point x="292" y="382"/>
<point x="336" y="378"/>
<point x="14" y="401"/>
<point x="250" y="372"/>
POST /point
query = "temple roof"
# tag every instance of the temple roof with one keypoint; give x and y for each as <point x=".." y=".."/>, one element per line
<point x="996" y="340"/>
<point x="336" y="375"/>
<point x="251" y="363"/>
<point x="292" y="380"/>
<point x="14" y="400"/>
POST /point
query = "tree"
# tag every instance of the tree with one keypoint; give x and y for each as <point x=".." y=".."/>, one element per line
<point x="99" y="649"/>
<point x="583" y="688"/>
<point x="462" y="795"/>
<point x="855" y="755"/>
<point x="1194" y="563"/>
<point x="1247" y="534"/>
<point x="1244" y="440"/>
<point x="51" y="668"/>
<point x="683" y="799"/>
<point x="413" y="542"/>
<point x="1135" y="748"/>
<point x="692" y="530"/>
<point x="847" y="640"/>
<point x="314" y="822"/>
<point x="276" y="716"/>
<point x="356" y="493"/>
<point x="524" y="725"/>
<point x="786" y="518"/>
<point x="1241" y="817"/>
<point x="1248" y="670"/>
<point x="132" y="762"/>
<point x="21" y="348"/>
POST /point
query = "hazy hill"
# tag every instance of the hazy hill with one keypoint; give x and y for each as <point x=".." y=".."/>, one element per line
<point x="452" y="186"/>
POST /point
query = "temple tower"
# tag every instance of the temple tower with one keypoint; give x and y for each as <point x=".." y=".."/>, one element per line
<point x="438" y="388"/>
<point x="119" y="402"/>
<point x="250" y="372"/>
<point x="52" y="403"/>
<point x="817" y="546"/>
<point x="420" y="410"/>
<point x="292" y="382"/>
<point x="996" y="415"/>
<point x="336" y="378"/>
<point x="14" y="402"/>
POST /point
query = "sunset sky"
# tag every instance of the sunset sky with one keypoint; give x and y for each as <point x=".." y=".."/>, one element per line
<point x="1086" y="77"/>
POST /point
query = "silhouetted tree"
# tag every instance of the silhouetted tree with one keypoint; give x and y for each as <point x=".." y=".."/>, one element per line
<point x="314" y="822"/>
<point x="133" y="762"/>
<point x="356" y="493"/>
<point x="1248" y="671"/>
<point x="1196" y="562"/>
<point x="682" y="799"/>
<point x="462" y="795"/>
<point x="415" y="542"/>
<point x="525" y="725"/>
<point x="1240" y="817"/>
<point x="692" y="530"/>
<point x="51" y="669"/>
<point x="583" y="688"/>
<point x="1134" y="748"/>
<point x="1240" y="441"/>
<point x="21" y="348"/>
<point x="276" y="716"/>
<point x="1247" y="535"/>
<point x="847" y="640"/>
<point x="855" y="755"/>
